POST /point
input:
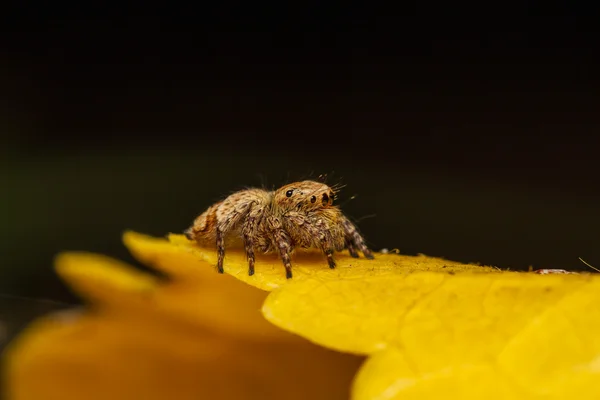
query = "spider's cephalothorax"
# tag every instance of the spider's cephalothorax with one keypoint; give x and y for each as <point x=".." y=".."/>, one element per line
<point x="300" y="214"/>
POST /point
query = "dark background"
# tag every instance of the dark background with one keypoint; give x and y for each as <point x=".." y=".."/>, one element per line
<point x="470" y="133"/>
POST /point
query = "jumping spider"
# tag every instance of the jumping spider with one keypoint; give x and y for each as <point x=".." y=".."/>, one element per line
<point x="300" y="214"/>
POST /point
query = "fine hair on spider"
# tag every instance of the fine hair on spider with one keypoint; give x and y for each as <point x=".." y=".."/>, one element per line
<point x="297" y="215"/>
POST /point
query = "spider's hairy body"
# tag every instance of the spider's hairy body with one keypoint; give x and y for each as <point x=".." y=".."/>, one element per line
<point x="299" y="214"/>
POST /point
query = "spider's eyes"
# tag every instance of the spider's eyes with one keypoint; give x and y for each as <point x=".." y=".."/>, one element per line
<point x="313" y="199"/>
<point x="289" y="193"/>
<point x="325" y="198"/>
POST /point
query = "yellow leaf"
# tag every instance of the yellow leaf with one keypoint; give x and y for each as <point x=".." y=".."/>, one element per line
<point x="431" y="328"/>
<point x="435" y="328"/>
<point x="197" y="334"/>
<point x="471" y="336"/>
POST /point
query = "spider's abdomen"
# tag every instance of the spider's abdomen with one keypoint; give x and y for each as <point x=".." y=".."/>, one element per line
<point x="227" y="217"/>
<point x="204" y="225"/>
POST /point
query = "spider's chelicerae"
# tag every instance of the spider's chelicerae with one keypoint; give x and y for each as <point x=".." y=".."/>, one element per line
<point x="300" y="214"/>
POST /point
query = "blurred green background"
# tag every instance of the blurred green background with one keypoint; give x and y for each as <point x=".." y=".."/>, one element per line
<point x="469" y="143"/>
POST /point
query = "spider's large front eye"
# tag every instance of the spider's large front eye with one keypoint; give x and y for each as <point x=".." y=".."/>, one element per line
<point x="289" y="193"/>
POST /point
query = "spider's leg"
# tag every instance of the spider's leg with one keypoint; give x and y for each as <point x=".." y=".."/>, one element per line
<point x="351" y="248"/>
<point x="220" y="250"/>
<point x="354" y="237"/>
<point x="249" y="247"/>
<point x="330" y="260"/>
<point x="228" y="215"/>
<point x="326" y="242"/>
<point x="318" y="230"/>
<point x="283" y="242"/>
<point x="248" y="232"/>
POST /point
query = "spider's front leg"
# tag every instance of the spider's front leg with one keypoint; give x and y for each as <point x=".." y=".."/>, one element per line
<point x="354" y="240"/>
<point x="319" y="230"/>
<point x="283" y="242"/>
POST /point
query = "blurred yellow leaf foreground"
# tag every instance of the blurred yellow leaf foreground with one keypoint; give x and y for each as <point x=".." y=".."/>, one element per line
<point x="430" y="329"/>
